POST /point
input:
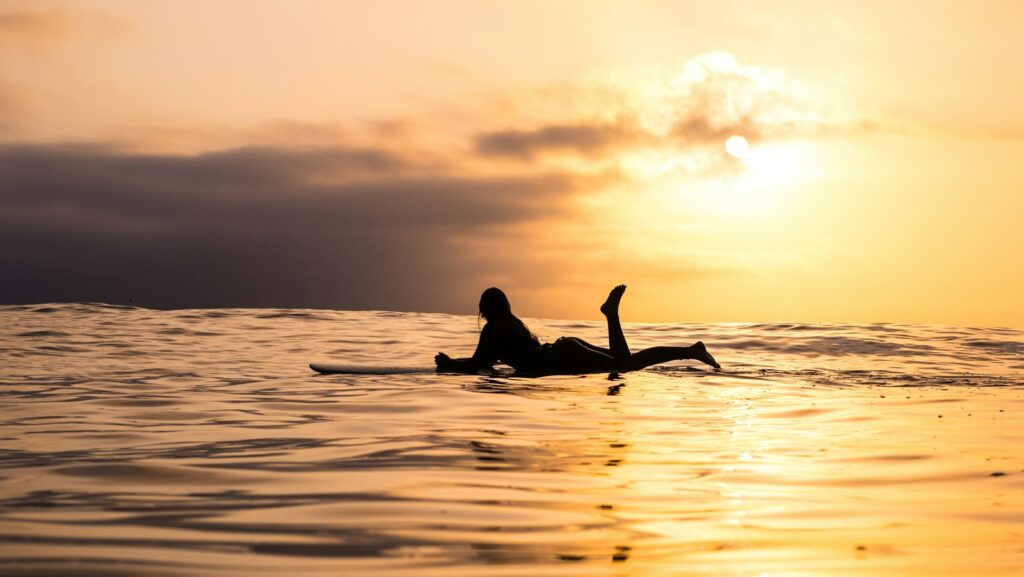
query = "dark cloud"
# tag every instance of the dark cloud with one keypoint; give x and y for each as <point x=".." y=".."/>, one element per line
<point x="580" y="138"/>
<point x="335" y="228"/>
<point x="699" y="128"/>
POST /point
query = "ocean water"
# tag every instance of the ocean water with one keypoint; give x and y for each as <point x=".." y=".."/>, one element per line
<point x="198" y="442"/>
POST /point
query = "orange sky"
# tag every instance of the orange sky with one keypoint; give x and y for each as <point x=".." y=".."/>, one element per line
<point x="552" y="149"/>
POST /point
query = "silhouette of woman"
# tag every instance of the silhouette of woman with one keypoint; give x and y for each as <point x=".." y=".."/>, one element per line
<point x="507" y="339"/>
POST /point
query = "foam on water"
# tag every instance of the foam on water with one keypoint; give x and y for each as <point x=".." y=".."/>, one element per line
<point x="142" y="442"/>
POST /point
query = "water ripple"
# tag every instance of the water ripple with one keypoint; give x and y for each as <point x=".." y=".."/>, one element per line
<point x="142" y="442"/>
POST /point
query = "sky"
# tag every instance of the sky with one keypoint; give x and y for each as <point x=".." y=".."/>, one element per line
<point x="407" y="155"/>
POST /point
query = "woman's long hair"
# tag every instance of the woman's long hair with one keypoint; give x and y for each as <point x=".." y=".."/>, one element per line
<point x="494" y="307"/>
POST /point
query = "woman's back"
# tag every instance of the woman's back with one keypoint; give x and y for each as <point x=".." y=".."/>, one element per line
<point x="506" y="342"/>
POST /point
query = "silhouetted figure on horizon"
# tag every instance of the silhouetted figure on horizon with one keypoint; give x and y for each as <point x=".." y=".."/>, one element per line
<point x="507" y="339"/>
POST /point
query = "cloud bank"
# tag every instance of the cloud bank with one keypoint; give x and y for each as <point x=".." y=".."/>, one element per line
<point x="251" y="227"/>
<point x="365" y="223"/>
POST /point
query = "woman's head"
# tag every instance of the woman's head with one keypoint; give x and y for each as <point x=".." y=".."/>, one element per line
<point x="494" y="304"/>
<point x="494" y="307"/>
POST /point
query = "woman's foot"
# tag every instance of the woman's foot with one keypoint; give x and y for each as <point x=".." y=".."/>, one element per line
<point x="700" y="353"/>
<point x="610" y="308"/>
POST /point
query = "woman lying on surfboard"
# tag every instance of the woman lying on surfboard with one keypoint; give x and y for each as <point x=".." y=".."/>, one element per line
<point x="505" y="338"/>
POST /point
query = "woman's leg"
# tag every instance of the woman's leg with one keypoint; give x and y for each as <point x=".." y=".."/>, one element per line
<point x="616" y="340"/>
<point x="657" y="355"/>
<point x="647" y="357"/>
<point x="590" y="346"/>
<point x="574" y="354"/>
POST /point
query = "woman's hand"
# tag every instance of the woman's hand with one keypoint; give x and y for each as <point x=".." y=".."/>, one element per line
<point x="442" y="360"/>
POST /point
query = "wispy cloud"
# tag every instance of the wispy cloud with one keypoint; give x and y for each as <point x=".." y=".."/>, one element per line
<point x="580" y="138"/>
<point x="25" y="23"/>
<point x="695" y="107"/>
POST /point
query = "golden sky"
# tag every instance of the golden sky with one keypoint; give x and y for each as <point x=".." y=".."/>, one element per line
<point x="406" y="155"/>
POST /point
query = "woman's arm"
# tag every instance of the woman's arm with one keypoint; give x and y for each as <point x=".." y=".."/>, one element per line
<point x="449" y="365"/>
<point x="484" y="358"/>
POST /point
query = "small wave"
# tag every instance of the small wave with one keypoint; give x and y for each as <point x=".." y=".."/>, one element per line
<point x="782" y="327"/>
<point x="292" y="315"/>
<point x="42" y="334"/>
<point x="133" y="472"/>
<point x="83" y="307"/>
<point x="112" y="306"/>
<point x="60" y="349"/>
<point x="179" y="331"/>
<point x="1007" y="347"/>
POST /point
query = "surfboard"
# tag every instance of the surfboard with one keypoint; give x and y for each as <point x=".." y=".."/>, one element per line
<point x="342" y="369"/>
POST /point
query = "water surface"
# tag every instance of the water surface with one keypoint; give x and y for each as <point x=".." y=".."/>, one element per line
<point x="197" y="442"/>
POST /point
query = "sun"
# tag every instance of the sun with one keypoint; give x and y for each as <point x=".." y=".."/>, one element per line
<point x="737" y="146"/>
